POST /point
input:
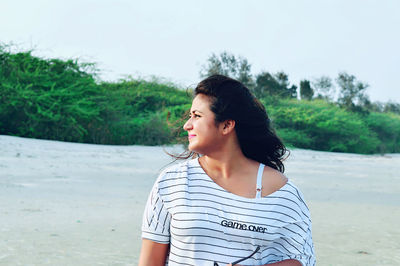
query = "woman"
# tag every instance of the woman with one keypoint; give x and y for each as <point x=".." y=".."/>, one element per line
<point x="232" y="204"/>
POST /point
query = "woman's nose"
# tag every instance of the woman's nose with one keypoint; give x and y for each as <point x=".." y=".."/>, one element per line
<point x="188" y="125"/>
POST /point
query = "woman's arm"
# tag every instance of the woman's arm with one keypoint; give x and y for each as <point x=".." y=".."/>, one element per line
<point x="281" y="263"/>
<point x="153" y="253"/>
<point x="286" y="263"/>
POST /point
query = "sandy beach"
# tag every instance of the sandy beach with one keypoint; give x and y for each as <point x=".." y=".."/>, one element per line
<point x="81" y="204"/>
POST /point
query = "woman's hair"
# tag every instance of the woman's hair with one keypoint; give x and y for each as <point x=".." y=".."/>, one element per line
<point x="230" y="99"/>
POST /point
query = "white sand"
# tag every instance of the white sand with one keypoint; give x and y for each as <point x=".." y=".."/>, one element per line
<point x="79" y="204"/>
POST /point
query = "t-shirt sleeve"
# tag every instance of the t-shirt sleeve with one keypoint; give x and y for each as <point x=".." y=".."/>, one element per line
<point x="294" y="237"/>
<point x="156" y="218"/>
<point x="297" y="244"/>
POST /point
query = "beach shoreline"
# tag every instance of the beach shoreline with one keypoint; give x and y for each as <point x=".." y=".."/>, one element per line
<point x="70" y="203"/>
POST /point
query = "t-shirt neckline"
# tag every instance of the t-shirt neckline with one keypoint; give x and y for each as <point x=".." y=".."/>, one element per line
<point x="197" y="163"/>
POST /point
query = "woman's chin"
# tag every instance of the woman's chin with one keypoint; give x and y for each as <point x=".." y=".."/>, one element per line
<point x="192" y="147"/>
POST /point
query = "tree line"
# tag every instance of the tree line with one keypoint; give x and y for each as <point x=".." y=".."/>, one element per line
<point x="351" y="92"/>
<point x="65" y="100"/>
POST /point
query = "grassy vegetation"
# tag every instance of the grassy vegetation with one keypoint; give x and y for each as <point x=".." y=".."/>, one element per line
<point x="64" y="100"/>
<point x="319" y="125"/>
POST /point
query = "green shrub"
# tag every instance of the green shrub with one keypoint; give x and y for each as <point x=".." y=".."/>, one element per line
<point x="139" y="96"/>
<point x="387" y="128"/>
<point x="294" y="138"/>
<point x="132" y="107"/>
<point x="61" y="100"/>
<point x="322" y="126"/>
<point x="50" y="99"/>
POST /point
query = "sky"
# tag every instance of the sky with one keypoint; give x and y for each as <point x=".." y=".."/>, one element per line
<point x="173" y="39"/>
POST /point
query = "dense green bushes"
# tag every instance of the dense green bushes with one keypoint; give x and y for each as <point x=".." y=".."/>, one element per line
<point x="322" y="126"/>
<point x="62" y="100"/>
<point x="51" y="99"/>
<point x="387" y="128"/>
<point x="138" y="112"/>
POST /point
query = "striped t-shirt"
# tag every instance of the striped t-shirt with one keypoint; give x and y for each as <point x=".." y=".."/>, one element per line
<point x="204" y="223"/>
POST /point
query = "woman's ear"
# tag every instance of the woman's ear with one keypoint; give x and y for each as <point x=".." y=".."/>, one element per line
<point x="228" y="126"/>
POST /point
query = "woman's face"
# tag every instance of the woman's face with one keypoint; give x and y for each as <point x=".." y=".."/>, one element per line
<point x="203" y="134"/>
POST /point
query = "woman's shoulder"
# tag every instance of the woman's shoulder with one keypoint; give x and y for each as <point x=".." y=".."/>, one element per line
<point x="175" y="167"/>
<point x="175" y="171"/>
<point x="172" y="179"/>
<point x="278" y="186"/>
<point x="275" y="181"/>
<point x="272" y="180"/>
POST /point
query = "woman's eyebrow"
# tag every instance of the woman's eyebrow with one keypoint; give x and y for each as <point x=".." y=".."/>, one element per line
<point x="196" y="111"/>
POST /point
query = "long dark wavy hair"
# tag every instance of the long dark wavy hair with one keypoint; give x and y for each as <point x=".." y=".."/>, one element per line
<point x="230" y="99"/>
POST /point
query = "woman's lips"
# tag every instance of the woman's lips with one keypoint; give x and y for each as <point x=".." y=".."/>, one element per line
<point x="191" y="136"/>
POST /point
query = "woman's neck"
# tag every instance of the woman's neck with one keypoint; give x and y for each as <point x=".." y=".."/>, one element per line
<point x="224" y="164"/>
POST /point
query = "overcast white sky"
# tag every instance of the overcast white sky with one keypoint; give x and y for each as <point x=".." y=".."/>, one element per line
<point x="172" y="39"/>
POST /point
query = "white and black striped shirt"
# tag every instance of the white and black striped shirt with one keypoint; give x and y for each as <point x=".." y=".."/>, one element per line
<point x="204" y="223"/>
